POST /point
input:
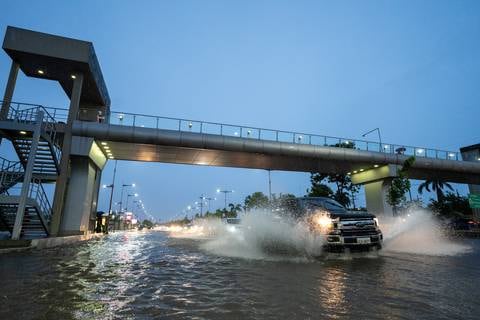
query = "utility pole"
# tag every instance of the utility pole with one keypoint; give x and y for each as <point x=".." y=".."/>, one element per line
<point x="269" y="185"/>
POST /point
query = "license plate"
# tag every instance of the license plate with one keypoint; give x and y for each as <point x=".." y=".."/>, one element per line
<point x="363" y="240"/>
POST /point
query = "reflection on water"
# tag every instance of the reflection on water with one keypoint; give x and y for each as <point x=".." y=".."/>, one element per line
<point x="148" y="275"/>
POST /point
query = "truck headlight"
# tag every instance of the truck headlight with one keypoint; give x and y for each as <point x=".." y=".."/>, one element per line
<point x="323" y="222"/>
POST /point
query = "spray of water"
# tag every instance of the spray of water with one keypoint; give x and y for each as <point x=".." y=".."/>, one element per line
<point x="263" y="235"/>
<point x="260" y="235"/>
<point x="418" y="232"/>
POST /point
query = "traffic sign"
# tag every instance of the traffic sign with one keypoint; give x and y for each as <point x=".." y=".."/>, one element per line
<point x="474" y="200"/>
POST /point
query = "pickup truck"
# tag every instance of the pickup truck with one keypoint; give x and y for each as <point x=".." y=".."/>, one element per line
<point x="341" y="228"/>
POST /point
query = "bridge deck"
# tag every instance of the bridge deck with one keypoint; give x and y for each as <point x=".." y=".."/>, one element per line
<point x="160" y="139"/>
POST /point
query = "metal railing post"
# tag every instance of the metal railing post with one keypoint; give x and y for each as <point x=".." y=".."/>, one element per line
<point x="27" y="178"/>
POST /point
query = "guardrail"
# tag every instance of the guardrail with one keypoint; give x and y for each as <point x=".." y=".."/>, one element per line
<point x="195" y="126"/>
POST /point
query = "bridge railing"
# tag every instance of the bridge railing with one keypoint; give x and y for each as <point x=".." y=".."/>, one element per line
<point x="186" y="125"/>
<point x="195" y="126"/>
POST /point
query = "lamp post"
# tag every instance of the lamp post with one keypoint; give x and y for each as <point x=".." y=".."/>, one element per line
<point x="225" y="192"/>
<point x="209" y="199"/>
<point x="112" y="187"/>
<point x="128" y="197"/>
<point x="379" y="136"/>
<point x="121" y="195"/>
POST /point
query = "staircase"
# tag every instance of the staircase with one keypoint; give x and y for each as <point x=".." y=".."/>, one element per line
<point x="32" y="226"/>
<point x="46" y="162"/>
<point x="38" y="210"/>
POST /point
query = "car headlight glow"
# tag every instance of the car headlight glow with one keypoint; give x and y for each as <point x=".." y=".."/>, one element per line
<point x="323" y="222"/>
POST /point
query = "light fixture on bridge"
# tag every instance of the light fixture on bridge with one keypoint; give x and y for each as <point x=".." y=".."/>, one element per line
<point x="349" y="173"/>
<point x="190" y="125"/>
<point x="451" y="155"/>
<point x="249" y="132"/>
<point x="40" y="71"/>
<point x="104" y="143"/>
<point x="235" y="133"/>
<point x="375" y="165"/>
<point x="478" y="158"/>
<point x="300" y="138"/>
<point x="73" y="76"/>
<point x="23" y="132"/>
<point x="420" y="151"/>
<point x="361" y="170"/>
<point x="355" y="171"/>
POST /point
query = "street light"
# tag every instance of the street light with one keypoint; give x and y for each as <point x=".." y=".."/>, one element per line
<point x="225" y="195"/>
<point x="379" y="136"/>
<point x="128" y="197"/>
<point x="112" y="187"/>
<point x="121" y="195"/>
<point x="209" y="199"/>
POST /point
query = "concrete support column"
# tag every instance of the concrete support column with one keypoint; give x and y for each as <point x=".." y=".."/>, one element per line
<point x="376" y="196"/>
<point x="61" y="184"/>
<point x="81" y="197"/>
<point x="9" y="89"/>
<point x="27" y="178"/>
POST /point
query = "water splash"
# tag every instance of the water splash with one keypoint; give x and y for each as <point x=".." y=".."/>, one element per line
<point x="260" y="235"/>
<point x="264" y="235"/>
<point x="418" y="232"/>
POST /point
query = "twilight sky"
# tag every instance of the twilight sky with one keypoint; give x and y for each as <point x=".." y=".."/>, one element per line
<point x="338" y="68"/>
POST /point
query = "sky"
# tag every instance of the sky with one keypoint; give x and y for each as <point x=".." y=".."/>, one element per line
<point x="338" y="68"/>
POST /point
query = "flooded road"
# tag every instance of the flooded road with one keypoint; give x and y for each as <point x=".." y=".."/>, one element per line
<point x="148" y="275"/>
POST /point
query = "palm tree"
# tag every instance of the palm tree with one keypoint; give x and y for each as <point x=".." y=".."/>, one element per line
<point x="436" y="186"/>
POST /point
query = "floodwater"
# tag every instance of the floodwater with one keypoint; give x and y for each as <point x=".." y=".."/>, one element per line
<point x="156" y="275"/>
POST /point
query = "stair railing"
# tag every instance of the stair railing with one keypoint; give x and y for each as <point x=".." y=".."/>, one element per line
<point x="37" y="193"/>
<point x="27" y="113"/>
<point x="11" y="172"/>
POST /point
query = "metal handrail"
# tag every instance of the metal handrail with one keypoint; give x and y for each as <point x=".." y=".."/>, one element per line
<point x="250" y="132"/>
<point x="37" y="193"/>
<point x="27" y="113"/>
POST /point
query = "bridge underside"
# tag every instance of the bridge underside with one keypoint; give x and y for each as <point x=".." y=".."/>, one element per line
<point x="238" y="159"/>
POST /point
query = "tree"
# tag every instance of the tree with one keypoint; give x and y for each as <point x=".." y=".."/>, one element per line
<point x="345" y="189"/>
<point x="435" y="185"/>
<point x="400" y="185"/>
<point x="344" y="192"/>
<point x="256" y="200"/>
<point x="318" y="188"/>
<point x="451" y="205"/>
<point x="234" y="210"/>
<point x="147" y="224"/>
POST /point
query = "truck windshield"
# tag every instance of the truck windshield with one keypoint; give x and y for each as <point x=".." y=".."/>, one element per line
<point x="334" y="206"/>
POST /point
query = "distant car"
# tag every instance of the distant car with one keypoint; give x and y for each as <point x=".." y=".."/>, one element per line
<point x="342" y="228"/>
<point x="464" y="224"/>
<point x="233" y="224"/>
